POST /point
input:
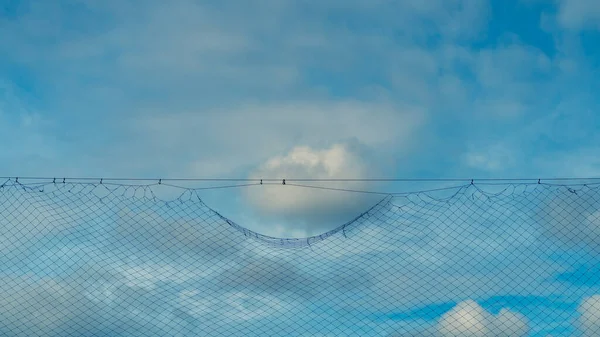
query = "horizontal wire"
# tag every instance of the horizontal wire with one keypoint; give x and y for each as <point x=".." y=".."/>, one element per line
<point x="102" y="181"/>
<point x="36" y="185"/>
<point x="406" y="193"/>
<point x="237" y="186"/>
<point x="286" y="182"/>
<point x="303" y="179"/>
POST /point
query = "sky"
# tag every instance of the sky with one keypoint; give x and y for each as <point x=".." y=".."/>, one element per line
<point x="303" y="89"/>
<point x="276" y="89"/>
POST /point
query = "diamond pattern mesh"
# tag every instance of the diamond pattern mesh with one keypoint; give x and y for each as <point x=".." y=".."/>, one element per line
<point x="80" y="259"/>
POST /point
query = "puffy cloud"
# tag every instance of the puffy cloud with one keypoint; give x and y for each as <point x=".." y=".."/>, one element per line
<point x="312" y="207"/>
<point x="510" y="324"/>
<point x="589" y="321"/>
<point x="469" y="319"/>
<point x="274" y="128"/>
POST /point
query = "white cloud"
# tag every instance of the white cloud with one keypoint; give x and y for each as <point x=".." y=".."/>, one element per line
<point x="573" y="217"/>
<point x="589" y="320"/>
<point x="262" y="130"/>
<point x="93" y="301"/>
<point x="497" y="157"/>
<point x="510" y="324"/>
<point x="179" y="61"/>
<point x="308" y="205"/>
<point x="35" y="307"/>
<point x="204" y="45"/>
<point x="469" y="319"/>
<point x="176" y="237"/>
<point x="579" y="14"/>
<point x="147" y="275"/>
<point x="581" y="162"/>
<point x="28" y="218"/>
<point x="232" y="306"/>
<point x="592" y="222"/>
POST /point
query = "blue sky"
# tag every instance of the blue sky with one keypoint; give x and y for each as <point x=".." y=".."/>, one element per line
<point x="320" y="89"/>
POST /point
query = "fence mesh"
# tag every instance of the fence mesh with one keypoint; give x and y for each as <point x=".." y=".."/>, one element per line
<point x="81" y="259"/>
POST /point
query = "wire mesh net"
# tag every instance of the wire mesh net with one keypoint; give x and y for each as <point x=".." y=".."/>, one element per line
<point x="81" y="259"/>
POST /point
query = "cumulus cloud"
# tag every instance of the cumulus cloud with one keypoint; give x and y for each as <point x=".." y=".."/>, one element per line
<point x="312" y="207"/>
<point x="275" y="128"/>
<point x="469" y="319"/>
<point x="510" y="324"/>
<point x="589" y="320"/>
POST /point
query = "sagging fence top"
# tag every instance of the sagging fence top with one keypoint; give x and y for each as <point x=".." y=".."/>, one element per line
<point x="91" y="259"/>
